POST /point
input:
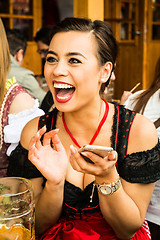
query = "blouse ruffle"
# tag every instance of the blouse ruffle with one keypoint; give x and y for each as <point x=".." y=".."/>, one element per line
<point x="16" y="123"/>
<point x="141" y="167"/>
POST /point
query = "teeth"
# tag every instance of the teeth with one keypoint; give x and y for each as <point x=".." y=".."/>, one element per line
<point x="62" y="85"/>
<point x="60" y="97"/>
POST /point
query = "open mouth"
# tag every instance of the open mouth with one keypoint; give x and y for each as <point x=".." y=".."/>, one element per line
<point x="63" y="91"/>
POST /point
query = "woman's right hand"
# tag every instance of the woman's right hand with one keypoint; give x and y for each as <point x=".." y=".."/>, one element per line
<point x="51" y="163"/>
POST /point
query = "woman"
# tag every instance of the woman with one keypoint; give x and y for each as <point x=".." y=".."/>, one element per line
<point x="147" y="102"/>
<point x="17" y="107"/>
<point x="81" y="200"/>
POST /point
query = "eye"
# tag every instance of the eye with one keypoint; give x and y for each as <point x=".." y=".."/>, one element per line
<point x="51" y="59"/>
<point x="74" y="61"/>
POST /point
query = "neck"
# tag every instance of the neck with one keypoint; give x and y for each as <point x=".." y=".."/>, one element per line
<point x="79" y="117"/>
<point x="86" y="127"/>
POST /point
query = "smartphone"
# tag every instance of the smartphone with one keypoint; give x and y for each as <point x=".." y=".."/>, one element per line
<point x="101" y="151"/>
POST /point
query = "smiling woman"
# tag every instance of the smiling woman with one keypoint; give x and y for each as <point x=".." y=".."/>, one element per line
<point x="105" y="198"/>
<point x="77" y="66"/>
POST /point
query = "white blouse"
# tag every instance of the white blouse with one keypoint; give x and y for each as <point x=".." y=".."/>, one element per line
<point x="152" y="111"/>
<point x="16" y="123"/>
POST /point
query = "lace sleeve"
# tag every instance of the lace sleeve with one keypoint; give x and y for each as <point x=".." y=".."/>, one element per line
<point x="141" y="167"/>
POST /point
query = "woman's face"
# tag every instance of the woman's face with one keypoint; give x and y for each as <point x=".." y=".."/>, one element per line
<point x="72" y="70"/>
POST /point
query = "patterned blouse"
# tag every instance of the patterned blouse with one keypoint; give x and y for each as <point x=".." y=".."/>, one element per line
<point x="12" y="90"/>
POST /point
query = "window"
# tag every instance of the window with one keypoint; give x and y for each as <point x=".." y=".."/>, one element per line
<point x="18" y="14"/>
<point x="155" y="19"/>
<point x="123" y="18"/>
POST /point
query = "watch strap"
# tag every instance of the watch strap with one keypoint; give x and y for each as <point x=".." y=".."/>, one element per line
<point x="108" y="188"/>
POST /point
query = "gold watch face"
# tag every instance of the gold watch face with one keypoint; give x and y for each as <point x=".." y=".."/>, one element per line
<point x="105" y="189"/>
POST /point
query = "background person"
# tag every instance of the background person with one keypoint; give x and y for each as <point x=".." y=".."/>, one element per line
<point x="17" y="107"/>
<point x="107" y="199"/>
<point x="147" y="102"/>
<point x="25" y="77"/>
<point x="43" y="38"/>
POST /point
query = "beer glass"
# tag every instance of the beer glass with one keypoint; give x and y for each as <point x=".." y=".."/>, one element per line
<point x="17" y="209"/>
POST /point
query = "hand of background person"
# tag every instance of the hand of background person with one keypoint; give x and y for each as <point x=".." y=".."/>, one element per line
<point x="51" y="163"/>
<point x="125" y="96"/>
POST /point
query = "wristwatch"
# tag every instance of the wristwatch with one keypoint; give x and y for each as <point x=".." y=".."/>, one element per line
<point x="108" y="189"/>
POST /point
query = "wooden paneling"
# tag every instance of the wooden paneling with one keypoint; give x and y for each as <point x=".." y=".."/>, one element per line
<point x="80" y="8"/>
<point x="37" y="14"/>
<point x="128" y="69"/>
<point x="93" y="9"/>
<point x="32" y="60"/>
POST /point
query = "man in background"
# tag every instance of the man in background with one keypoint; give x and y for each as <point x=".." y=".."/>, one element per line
<point x="43" y="38"/>
<point x="24" y="77"/>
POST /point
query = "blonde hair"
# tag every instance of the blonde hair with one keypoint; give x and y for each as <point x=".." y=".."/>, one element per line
<point x="4" y="60"/>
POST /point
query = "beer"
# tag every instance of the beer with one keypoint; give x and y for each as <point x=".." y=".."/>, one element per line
<point x="15" y="232"/>
<point x="17" y="209"/>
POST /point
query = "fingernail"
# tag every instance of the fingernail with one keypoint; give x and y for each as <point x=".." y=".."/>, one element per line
<point x="114" y="155"/>
<point x="73" y="149"/>
<point x="84" y="154"/>
<point x="44" y="127"/>
<point x="56" y="130"/>
<point x="38" y="133"/>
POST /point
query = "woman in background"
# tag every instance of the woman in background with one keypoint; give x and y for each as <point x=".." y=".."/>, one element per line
<point x="17" y="107"/>
<point x="147" y="102"/>
<point x="76" y="199"/>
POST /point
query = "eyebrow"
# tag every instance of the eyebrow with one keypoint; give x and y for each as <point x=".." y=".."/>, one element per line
<point x="68" y="54"/>
<point x="76" y="53"/>
<point x="51" y="52"/>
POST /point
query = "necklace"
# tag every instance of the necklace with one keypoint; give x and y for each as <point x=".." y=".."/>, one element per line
<point x="97" y="131"/>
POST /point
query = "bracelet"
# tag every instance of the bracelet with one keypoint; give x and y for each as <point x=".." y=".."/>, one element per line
<point x="106" y="188"/>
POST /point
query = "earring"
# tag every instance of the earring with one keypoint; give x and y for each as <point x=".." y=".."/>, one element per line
<point x="103" y="80"/>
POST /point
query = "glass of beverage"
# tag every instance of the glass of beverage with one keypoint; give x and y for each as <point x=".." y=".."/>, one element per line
<point x="17" y="209"/>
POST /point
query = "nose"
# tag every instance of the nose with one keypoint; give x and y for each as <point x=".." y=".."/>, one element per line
<point x="60" y="69"/>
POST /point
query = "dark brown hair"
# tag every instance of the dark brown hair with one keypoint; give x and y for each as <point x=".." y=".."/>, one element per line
<point x="44" y="35"/>
<point x="106" y="42"/>
<point x="142" y="99"/>
<point x="16" y="41"/>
